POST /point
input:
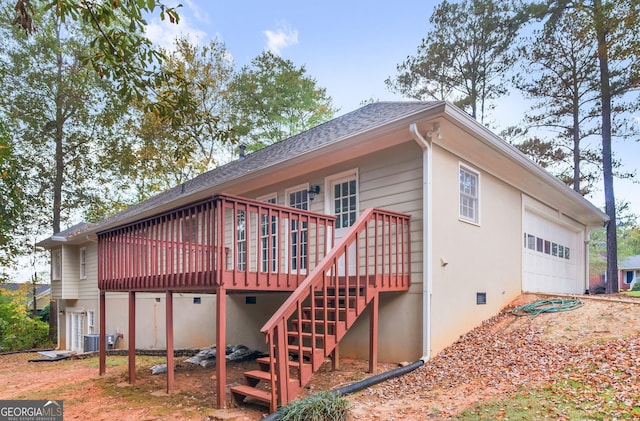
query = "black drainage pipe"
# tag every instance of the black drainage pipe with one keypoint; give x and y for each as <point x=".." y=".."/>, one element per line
<point x="368" y="382"/>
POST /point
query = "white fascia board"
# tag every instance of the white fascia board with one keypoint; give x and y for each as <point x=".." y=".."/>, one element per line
<point x="483" y="134"/>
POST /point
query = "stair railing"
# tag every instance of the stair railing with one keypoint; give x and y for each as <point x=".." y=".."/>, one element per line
<point x="373" y="256"/>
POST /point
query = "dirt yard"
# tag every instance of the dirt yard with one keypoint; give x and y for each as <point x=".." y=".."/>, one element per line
<point x="498" y="357"/>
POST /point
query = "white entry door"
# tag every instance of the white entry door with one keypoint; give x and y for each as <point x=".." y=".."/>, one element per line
<point x="75" y="321"/>
<point x="343" y="203"/>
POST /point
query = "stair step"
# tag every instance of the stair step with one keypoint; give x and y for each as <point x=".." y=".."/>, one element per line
<point x="317" y="321"/>
<point x="329" y="309"/>
<point x="258" y="374"/>
<point x="243" y="391"/>
<point x="306" y="350"/>
<point x="265" y="363"/>
<point x="307" y="334"/>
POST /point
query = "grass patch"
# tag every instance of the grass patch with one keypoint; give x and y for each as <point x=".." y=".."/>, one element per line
<point x="324" y="406"/>
<point x="144" y="394"/>
<point x="531" y="405"/>
<point x="632" y="293"/>
<point x="566" y="399"/>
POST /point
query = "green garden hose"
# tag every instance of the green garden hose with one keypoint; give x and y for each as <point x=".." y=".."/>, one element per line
<point x="546" y="306"/>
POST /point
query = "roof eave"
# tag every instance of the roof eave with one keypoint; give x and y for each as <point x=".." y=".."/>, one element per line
<point x="593" y="217"/>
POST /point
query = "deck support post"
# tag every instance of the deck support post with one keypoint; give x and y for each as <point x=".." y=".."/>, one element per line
<point x="373" y="333"/>
<point x="169" y="329"/>
<point x="103" y="334"/>
<point x="221" y="344"/>
<point x="132" y="337"/>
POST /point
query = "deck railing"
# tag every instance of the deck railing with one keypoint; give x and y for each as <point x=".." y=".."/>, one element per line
<point x="225" y="241"/>
<point x="373" y="256"/>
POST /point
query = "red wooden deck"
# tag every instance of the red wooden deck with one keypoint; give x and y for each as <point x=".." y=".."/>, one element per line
<point x="229" y="243"/>
<point x="226" y="241"/>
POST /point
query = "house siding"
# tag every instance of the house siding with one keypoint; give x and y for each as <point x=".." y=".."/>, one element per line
<point x="194" y="324"/>
<point x="392" y="179"/>
<point x="88" y="287"/>
<point x="487" y="261"/>
<point x="70" y="272"/>
<point x="389" y="179"/>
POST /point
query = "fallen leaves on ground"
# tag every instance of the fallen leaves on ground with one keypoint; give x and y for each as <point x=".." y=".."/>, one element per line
<point x="504" y="356"/>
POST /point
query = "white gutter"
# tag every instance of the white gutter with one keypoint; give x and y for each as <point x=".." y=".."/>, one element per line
<point x="427" y="222"/>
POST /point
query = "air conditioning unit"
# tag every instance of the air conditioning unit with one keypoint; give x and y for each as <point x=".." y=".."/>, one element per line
<point x="92" y="342"/>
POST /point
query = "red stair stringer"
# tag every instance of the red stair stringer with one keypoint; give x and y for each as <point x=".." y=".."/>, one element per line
<point x="371" y="257"/>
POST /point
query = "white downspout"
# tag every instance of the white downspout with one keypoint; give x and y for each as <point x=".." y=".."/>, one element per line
<point x="585" y="249"/>
<point x="427" y="221"/>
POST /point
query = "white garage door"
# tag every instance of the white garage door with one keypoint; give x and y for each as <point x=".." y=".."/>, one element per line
<point x="551" y="256"/>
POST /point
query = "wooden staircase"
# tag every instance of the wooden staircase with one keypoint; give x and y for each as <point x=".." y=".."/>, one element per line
<point x="311" y="337"/>
<point x="372" y="257"/>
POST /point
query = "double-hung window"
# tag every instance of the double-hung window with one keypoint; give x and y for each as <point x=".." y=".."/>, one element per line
<point x="469" y="195"/>
<point x="91" y="322"/>
<point x="298" y="198"/>
<point x="56" y="264"/>
<point x="268" y="238"/>
<point x="83" y="263"/>
<point x="241" y="239"/>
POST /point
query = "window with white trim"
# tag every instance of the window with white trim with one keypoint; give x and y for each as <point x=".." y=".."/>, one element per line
<point x="269" y="238"/>
<point x="91" y="322"/>
<point x="190" y="229"/>
<point x="83" y="263"/>
<point x="345" y="202"/>
<point x="56" y="264"/>
<point x="298" y="198"/>
<point x="241" y="240"/>
<point x="469" y="195"/>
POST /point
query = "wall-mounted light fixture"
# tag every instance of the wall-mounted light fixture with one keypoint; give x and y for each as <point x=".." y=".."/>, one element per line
<point x="61" y="312"/>
<point x="313" y="191"/>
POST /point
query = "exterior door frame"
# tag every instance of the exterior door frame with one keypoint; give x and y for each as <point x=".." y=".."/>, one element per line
<point x="75" y="320"/>
<point x="329" y="200"/>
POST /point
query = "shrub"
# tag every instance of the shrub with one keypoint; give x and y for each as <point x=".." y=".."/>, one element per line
<point x="636" y="286"/>
<point x="18" y="330"/>
<point x="324" y="406"/>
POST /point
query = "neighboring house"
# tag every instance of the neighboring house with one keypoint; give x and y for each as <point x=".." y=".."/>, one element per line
<point x="43" y="294"/>
<point x="629" y="272"/>
<point x="410" y="214"/>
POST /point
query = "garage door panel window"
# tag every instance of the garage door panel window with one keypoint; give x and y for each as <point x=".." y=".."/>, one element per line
<point x="544" y="246"/>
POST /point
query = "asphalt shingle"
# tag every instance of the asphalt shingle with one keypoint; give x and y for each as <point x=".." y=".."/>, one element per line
<point x="363" y="119"/>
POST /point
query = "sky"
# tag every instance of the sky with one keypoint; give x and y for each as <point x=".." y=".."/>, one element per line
<point x="349" y="47"/>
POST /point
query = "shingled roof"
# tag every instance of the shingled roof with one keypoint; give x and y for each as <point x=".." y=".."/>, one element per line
<point x="361" y="120"/>
<point x="632" y="262"/>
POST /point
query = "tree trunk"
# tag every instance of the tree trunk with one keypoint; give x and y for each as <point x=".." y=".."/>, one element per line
<point x="58" y="138"/>
<point x="607" y="164"/>
<point x="576" y="145"/>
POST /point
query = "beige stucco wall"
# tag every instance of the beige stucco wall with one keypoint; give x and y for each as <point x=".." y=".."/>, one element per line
<point x="481" y="258"/>
<point x="194" y="324"/>
<point x="244" y="321"/>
